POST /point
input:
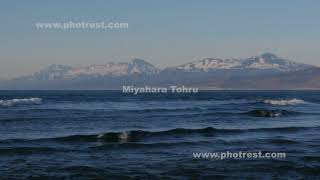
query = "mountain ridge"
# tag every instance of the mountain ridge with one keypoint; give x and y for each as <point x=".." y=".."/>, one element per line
<point x="58" y="71"/>
<point x="262" y="63"/>
<point x="266" y="71"/>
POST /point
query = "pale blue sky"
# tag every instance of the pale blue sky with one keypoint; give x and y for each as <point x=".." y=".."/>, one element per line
<point x="166" y="32"/>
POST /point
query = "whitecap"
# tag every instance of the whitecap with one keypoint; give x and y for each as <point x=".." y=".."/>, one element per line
<point x="115" y="137"/>
<point x="25" y="101"/>
<point x="124" y="136"/>
<point x="283" y="102"/>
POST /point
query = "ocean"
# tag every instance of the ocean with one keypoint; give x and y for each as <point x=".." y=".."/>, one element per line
<point x="112" y="135"/>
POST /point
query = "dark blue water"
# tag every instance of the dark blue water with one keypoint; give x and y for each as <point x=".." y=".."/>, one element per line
<point x="109" y="135"/>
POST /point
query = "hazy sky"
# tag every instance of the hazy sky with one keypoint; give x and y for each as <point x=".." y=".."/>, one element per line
<point x="164" y="32"/>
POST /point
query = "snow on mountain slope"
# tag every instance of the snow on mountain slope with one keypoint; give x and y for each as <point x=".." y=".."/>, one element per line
<point x="136" y="66"/>
<point x="52" y="72"/>
<point x="271" y="61"/>
<point x="265" y="61"/>
<point x="116" y="69"/>
<point x="140" y="66"/>
<point x="208" y="64"/>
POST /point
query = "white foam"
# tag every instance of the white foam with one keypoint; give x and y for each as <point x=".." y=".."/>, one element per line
<point x="120" y="137"/>
<point x="284" y="102"/>
<point x="124" y="136"/>
<point x="14" y="102"/>
<point x="100" y="136"/>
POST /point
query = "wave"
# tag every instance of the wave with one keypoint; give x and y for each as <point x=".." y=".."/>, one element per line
<point x="133" y="136"/>
<point x="15" y="102"/>
<point x="283" y="102"/>
<point x="138" y="135"/>
<point x="152" y="144"/>
<point x="270" y="113"/>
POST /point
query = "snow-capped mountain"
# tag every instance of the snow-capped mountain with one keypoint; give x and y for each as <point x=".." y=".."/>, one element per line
<point x="55" y="72"/>
<point x="208" y="64"/>
<point x="271" y="61"/>
<point x="136" y="66"/>
<point x="265" y="61"/>
<point x="266" y="71"/>
<point x="259" y="64"/>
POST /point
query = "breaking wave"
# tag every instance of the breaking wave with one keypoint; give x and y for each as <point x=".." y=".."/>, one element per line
<point x="15" y="102"/>
<point x="140" y="135"/>
<point x="136" y="135"/>
<point x="283" y="102"/>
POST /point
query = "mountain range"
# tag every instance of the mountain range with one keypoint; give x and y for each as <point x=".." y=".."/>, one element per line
<point x="266" y="71"/>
